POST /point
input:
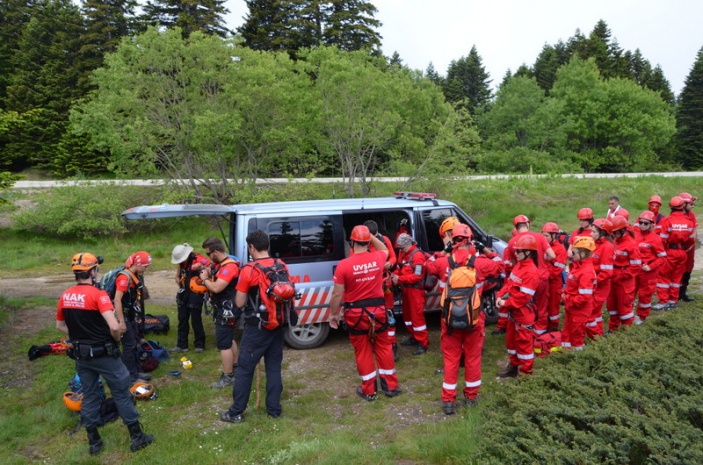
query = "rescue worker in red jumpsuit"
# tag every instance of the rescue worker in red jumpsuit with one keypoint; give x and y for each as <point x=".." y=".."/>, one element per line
<point x="602" y="259"/>
<point x="677" y="232"/>
<point x="387" y="284"/>
<point x="457" y="342"/>
<point x="626" y="266"/>
<point x="516" y="299"/>
<point x="653" y="255"/>
<point x="358" y="282"/>
<point x="578" y="294"/>
<point x="556" y="268"/>
<point x="544" y="255"/>
<point x="653" y="205"/>
<point x="585" y="217"/>
<point x="410" y="275"/>
<point x="690" y="246"/>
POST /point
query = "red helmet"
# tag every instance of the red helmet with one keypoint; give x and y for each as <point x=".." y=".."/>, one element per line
<point x="604" y="224"/>
<point x="462" y="230"/>
<point x="655" y="199"/>
<point x="448" y="225"/>
<point x="585" y="214"/>
<point x="360" y="233"/>
<point x="619" y="223"/>
<point x="623" y="213"/>
<point x="520" y="219"/>
<point x="676" y="202"/>
<point x="647" y="215"/>
<point x="550" y="227"/>
<point x="526" y="242"/>
<point x="688" y="198"/>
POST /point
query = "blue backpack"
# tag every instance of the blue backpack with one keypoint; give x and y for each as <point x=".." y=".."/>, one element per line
<point x="108" y="281"/>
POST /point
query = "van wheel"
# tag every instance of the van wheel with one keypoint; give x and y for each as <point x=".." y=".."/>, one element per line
<point x="307" y="336"/>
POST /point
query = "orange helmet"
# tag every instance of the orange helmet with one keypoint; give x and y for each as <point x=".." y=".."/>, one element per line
<point x="619" y="223"/>
<point x="526" y="242"/>
<point x="550" y="227"/>
<point x="688" y="198"/>
<point x="448" y="225"/>
<point x="196" y="285"/>
<point x="676" y="202"/>
<point x="142" y="391"/>
<point x="655" y="199"/>
<point x="604" y="224"/>
<point x="647" y="215"/>
<point x="585" y="214"/>
<point x="85" y="261"/>
<point x="73" y="401"/>
<point x="584" y="242"/>
<point x="462" y="231"/>
<point x="360" y="233"/>
<point x="520" y="219"/>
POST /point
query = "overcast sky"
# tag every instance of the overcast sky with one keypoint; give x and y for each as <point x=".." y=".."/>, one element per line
<point x="508" y="33"/>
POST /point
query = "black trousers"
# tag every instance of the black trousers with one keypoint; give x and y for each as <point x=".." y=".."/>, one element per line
<point x="190" y="313"/>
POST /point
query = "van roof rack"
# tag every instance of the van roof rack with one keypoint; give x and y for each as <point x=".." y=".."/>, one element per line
<point x="414" y="195"/>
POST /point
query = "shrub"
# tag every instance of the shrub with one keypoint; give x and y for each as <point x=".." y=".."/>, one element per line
<point x="633" y="398"/>
<point x="83" y="212"/>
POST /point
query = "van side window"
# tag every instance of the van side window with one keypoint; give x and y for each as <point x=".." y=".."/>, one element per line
<point x="433" y="220"/>
<point x="301" y="237"/>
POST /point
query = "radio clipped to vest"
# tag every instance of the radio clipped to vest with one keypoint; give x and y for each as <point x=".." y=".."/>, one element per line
<point x="461" y="303"/>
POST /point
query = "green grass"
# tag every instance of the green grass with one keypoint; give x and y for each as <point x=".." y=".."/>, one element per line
<point x="323" y="422"/>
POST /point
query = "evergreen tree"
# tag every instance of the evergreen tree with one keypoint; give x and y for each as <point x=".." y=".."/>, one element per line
<point x="659" y="83"/>
<point x="395" y="60"/>
<point x="14" y="16"/>
<point x="432" y="75"/>
<point x="263" y="27"/>
<point x="107" y="22"/>
<point x="471" y="75"/>
<point x="548" y="62"/>
<point x="351" y="26"/>
<point x="189" y="15"/>
<point x="45" y="81"/>
<point x="689" y="118"/>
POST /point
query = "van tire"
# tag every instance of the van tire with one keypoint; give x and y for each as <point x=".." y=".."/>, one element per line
<point x="307" y="336"/>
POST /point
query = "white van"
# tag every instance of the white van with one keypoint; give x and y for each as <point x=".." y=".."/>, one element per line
<point x="311" y="237"/>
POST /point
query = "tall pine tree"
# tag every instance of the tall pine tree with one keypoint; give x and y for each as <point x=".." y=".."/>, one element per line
<point x="107" y="22"/>
<point x="469" y="76"/>
<point x="689" y="118"/>
<point x="14" y="16"/>
<point x="351" y="26"/>
<point x="190" y="15"/>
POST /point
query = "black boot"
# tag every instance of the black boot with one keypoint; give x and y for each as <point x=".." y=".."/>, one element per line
<point x="94" y="441"/>
<point x="684" y="288"/>
<point x="510" y="371"/>
<point x="395" y="353"/>
<point x="139" y="439"/>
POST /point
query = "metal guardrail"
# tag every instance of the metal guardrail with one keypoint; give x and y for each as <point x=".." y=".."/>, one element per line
<point x="161" y="182"/>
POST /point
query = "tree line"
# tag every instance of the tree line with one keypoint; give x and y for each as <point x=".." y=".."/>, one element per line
<point x="303" y="88"/>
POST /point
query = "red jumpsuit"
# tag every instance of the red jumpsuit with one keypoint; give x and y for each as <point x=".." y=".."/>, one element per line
<point x="691" y="244"/>
<point x="541" y="297"/>
<point x="410" y="278"/>
<point x="458" y="342"/>
<point x="521" y="286"/>
<point x="556" y="283"/>
<point x="578" y="303"/>
<point x="626" y="267"/>
<point x="387" y="285"/>
<point x="364" y="307"/>
<point x="652" y="253"/>
<point x="677" y="233"/>
<point x="602" y="259"/>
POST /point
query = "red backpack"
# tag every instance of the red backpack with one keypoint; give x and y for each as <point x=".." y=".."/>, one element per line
<point x="276" y="296"/>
